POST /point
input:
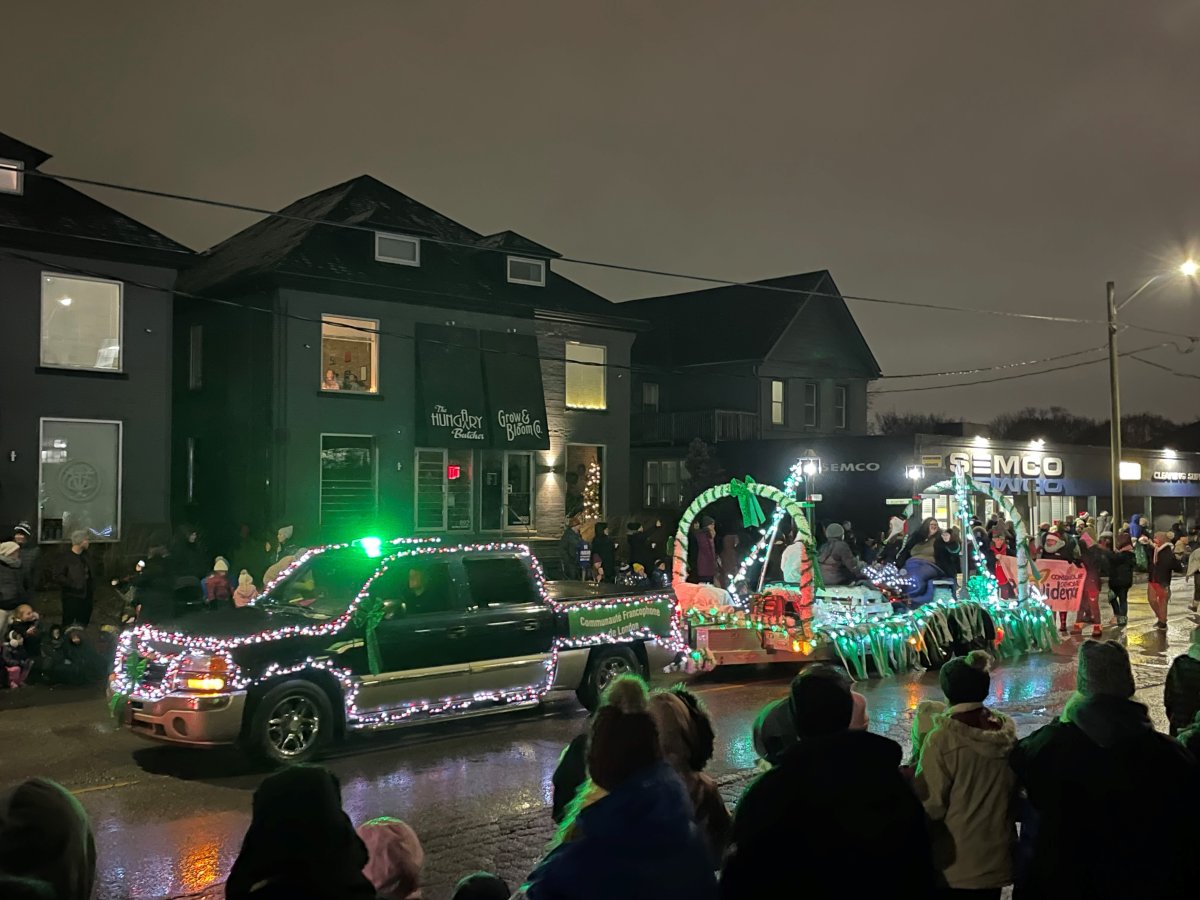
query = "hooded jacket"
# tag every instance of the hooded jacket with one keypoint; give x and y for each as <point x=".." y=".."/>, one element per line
<point x="1120" y="567"/>
<point x="837" y="562"/>
<point x="1085" y="775"/>
<point x="637" y="843"/>
<point x="1162" y="563"/>
<point x="12" y="583"/>
<point x="45" y="837"/>
<point x="869" y="837"/>
<point x="968" y="790"/>
<point x="945" y="553"/>
<point x="1181" y="694"/>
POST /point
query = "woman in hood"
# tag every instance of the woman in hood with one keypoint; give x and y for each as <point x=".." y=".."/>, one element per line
<point x="629" y="832"/>
<point x="965" y="784"/>
<point x="45" y="838"/>
<point x="685" y="733"/>
<point x="929" y="553"/>
<point x="300" y="844"/>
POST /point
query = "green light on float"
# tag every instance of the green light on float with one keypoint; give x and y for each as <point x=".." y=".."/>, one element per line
<point x="372" y="546"/>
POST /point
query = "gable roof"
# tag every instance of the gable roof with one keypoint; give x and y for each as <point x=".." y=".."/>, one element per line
<point x="52" y="216"/>
<point x="739" y="323"/>
<point x="459" y="267"/>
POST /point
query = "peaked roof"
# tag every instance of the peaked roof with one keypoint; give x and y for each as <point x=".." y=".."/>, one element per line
<point x="52" y="216"/>
<point x="739" y="323"/>
<point x="459" y="267"/>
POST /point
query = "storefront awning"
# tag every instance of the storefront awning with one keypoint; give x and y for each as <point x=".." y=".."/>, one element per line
<point x="453" y="406"/>
<point x="516" y="400"/>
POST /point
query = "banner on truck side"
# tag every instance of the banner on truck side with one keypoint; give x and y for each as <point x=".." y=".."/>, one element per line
<point x="1060" y="582"/>
<point x="620" y="620"/>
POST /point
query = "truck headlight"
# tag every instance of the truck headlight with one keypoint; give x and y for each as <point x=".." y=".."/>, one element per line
<point x="203" y="673"/>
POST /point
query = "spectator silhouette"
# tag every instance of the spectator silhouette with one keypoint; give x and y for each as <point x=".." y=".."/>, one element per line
<point x="1099" y="767"/>
<point x="481" y="886"/>
<point x="1181" y="696"/>
<point x="394" y="858"/>
<point x="46" y="844"/>
<point x="852" y="781"/>
<point x="300" y="844"/>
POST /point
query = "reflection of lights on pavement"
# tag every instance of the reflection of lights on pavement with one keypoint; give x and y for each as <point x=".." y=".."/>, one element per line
<point x="741" y="752"/>
<point x="914" y="694"/>
<point x="199" y="866"/>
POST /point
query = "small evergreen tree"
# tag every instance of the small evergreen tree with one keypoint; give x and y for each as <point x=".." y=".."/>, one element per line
<point x="703" y="470"/>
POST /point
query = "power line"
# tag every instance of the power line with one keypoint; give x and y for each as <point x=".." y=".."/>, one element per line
<point x="942" y="387"/>
<point x="1013" y="365"/>
<point x="620" y="267"/>
<point x="1166" y="368"/>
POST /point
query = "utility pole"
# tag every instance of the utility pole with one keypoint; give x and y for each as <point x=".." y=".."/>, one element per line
<point x="1114" y="440"/>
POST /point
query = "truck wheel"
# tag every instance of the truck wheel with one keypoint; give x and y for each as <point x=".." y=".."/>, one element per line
<point x="605" y="664"/>
<point x="291" y="723"/>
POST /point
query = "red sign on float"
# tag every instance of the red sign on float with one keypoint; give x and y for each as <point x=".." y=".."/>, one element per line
<point x="452" y="472"/>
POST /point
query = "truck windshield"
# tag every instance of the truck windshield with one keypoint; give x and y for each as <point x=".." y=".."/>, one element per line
<point x="324" y="587"/>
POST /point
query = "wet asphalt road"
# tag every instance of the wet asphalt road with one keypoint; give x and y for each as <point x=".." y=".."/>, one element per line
<point x="169" y="822"/>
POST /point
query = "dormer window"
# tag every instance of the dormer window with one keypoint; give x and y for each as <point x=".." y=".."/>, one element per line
<point x="398" y="249"/>
<point x="12" y="176"/>
<point x="526" y="271"/>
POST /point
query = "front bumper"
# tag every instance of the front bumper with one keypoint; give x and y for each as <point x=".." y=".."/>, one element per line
<point x="197" y="720"/>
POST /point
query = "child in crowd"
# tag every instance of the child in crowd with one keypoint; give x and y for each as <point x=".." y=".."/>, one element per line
<point x="1181" y="694"/>
<point x="21" y="645"/>
<point x="217" y="592"/>
<point x="394" y="858"/>
<point x="73" y="660"/>
<point x="245" y="591"/>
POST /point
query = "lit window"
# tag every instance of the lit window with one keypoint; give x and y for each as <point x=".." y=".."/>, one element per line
<point x="812" y="410"/>
<point x="649" y="396"/>
<point x="12" y="176"/>
<point x="80" y="479"/>
<point x="81" y="323"/>
<point x="195" y="357"/>
<point x="839" y="406"/>
<point x="397" y="249"/>
<point x="349" y="354"/>
<point x="348" y="480"/>
<point x="778" y="404"/>
<point x="585" y="481"/>
<point x="586" y="372"/>
<point x="527" y="271"/>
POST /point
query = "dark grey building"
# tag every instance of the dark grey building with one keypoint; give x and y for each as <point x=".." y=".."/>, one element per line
<point x="86" y="418"/>
<point x="396" y="373"/>
<point x="778" y="363"/>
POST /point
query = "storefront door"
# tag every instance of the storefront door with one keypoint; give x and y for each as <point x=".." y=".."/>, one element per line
<point x="506" y="495"/>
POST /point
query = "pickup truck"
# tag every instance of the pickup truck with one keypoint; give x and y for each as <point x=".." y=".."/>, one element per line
<point x="374" y="635"/>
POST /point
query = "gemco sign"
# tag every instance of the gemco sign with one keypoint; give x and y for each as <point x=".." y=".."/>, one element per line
<point x="1013" y="473"/>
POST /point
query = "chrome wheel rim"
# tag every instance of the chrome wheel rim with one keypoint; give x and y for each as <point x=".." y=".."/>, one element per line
<point x="293" y="725"/>
<point x="612" y="668"/>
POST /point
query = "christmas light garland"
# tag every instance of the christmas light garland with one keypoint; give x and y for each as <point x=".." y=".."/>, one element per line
<point x="591" y="491"/>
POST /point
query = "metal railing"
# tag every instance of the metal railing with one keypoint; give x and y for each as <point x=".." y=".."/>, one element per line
<point x="710" y="425"/>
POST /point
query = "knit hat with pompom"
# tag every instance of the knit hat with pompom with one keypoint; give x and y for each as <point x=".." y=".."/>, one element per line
<point x="624" y="738"/>
<point x="965" y="679"/>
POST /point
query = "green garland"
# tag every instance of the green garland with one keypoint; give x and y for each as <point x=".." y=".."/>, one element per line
<point x="367" y="615"/>
<point x="135" y="671"/>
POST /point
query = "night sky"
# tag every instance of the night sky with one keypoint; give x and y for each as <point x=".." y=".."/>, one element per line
<point x="992" y="155"/>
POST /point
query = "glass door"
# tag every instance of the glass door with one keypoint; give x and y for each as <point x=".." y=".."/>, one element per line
<point x="518" y="491"/>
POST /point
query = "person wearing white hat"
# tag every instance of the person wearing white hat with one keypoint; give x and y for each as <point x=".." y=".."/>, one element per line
<point x="217" y="590"/>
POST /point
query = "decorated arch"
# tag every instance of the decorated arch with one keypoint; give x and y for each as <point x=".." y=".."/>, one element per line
<point x="747" y="493"/>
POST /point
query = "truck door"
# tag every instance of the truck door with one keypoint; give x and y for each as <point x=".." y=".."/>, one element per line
<point x="422" y="638"/>
<point x="510" y="627"/>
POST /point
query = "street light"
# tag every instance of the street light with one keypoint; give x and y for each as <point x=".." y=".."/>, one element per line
<point x="916" y="473"/>
<point x="1188" y="269"/>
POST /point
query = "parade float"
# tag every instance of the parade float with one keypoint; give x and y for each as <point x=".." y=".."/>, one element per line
<point x="866" y="628"/>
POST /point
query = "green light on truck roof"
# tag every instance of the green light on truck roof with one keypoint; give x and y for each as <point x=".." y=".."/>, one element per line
<point x="372" y="546"/>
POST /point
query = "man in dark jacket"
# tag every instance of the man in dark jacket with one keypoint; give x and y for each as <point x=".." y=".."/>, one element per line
<point x="1095" y="770"/>
<point x="836" y="558"/>
<point x="640" y="549"/>
<point x="867" y="836"/>
<point x="604" y="548"/>
<point x="1181" y="696"/>
<point x="76" y="581"/>
<point x="31" y="555"/>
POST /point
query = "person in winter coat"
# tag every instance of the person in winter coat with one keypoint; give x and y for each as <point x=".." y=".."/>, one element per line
<point x="154" y="588"/>
<point x="300" y="844"/>
<point x="1091" y="556"/>
<point x="998" y="550"/>
<point x="929" y="553"/>
<point x="45" y="838"/>
<point x="792" y="561"/>
<point x="31" y="555"/>
<point x="893" y="541"/>
<point x="283" y="547"/>
<point x="836" y="559"/>
<point x="1094" y="770"/>
<point x="965" y="783"/>
<point x="638" y="547"/>
<point x="704" y="539"/>
<point x="1181" y="695"/>
<point x="864" y="804"/>
<point x="76" y="581"/>
<point x="630" y="832"/>
<point x="685" y="733"/>
<point x="394" y="858"/>
<point x="1193" y="572"/>
<point x="73" y="661"/>
<point x="604" y="548"/>
<point x="1161" y="565"/>
<point x="217" y="592"/>
<point x="1121" y="562"/>
<point x="12" y="581"/>
<point x="1058" y="546"/>
<point x="728" y="560"/>
<point x="189" y="555"/>
<point x="568" y="549"/>
<point x="20" y="645"/>
<point x="245" y="590"/>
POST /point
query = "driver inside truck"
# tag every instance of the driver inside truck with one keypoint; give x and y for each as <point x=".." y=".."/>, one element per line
<point x="425" y="592"/>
